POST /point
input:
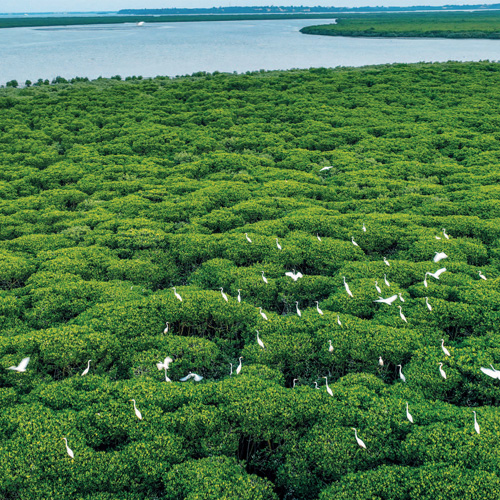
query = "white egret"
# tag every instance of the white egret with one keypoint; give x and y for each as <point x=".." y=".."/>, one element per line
<point x="297" y="307"/>
<point x="347" y="289"/>
<point x="385" y="281"/>
<point x="318" y="236"/>
<point x="140" y="23"/>
<point x="247" y="237"/>
<point x="387" y="301"/>
<point x="427" y="304"/>
<point x="476" y="425"/>
<point x="358" y="440"/>
<point x="316" y="385"/>
<point x="445" y="235"/>
<point x="262" y="313"/>
<point x="401" y="376"/>
<point x="86" y="369"/>
<point x="425" y="280"/>
<point x="353" y="242"/>
<point x="403" y="317"/>
<point x="165" y="331"/>
<point x="441" y="371"/>
<point x="260" y="341"/>
<point x="330" y="349"/>
<point x="401" y="297"/>
<point x="482" y="276"/>
<point x="294" y="380"/>
<point x="408" y="414"/>
<point x="318" y="309"/>
<point x="295" y="275"/>
<point x="239" y="294"/>
<point x="446" y="352"/>
<point x="278" y="244"/>
<point x="437" y="237"/>
<point x="224" y="296"/>
<point x="380" y="361"/>
<point x="231" y="371"/>
<point x="439" y="256"/>
<point x="176" y="294"/>
<point x="137" y="412"/>
<point x="69" y="451"/>
<point x="493" y="373"/>
<point x="21" y="367"/>
<point x="326" y="168"/>
<point x="438" y="273"/>
<point x="264" y="279"/>
<point x="338" y="320"/>
<point x="386" y="262"/>
<point x="167" y="379"/>
<point x="364" y="228"/>
<point x="165" y="364"/>
<point x="238" y="368"/>
<point x="197" y="378"/>
<point x="379" y="290"/>
<point x="328" y="390"/>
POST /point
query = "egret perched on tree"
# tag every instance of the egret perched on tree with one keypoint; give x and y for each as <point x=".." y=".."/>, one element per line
<point x="403" y="317"/>
<point x="264" y="279"/>
<point x="358" y="440"/>
<point x="239" y="295"/>
<point x="262" y="313"/>
<point x="401" y="297"/>
<point x="297" y="307"/>
<point x="445" y="235"/>
<point x="260" y="341"/>
<point x="317" y="236"/>
<point x="316" y="385"/>
<point x="364" y="228"/>
<point x="231" y="370"/>
<point x="438" y="273"/>
<point x="278" y="244"/>
<point x="86" y="369"/>
<point x="353" y="242"/>
<point x="379" y="290"/>
<point x="165" y="331"/>
<point x="347" y="289"/>
<point x="386" y="262"/>
<point x="69" y="451"/>
<point x="195" y="376"/>
<point x="387" y="301"/>
<point x="338" y="320"/>
<point x="328" y="390"/>
<point x="408" y="414"/>
<point x="380" y="361"/>
<point x="491" y="373"/>
<point x="137" y="412"/>
<point x="21" y="367"/>
<point x="482" y="276"/>
<point x="294" y="380"/>
<point x="439" y="256"/>
<point x="385" y="281"/>
<point x="238" y="369"/>
<point x="476" y="425"/>
<point x="224" y="296"/>
<point x="446" y="352"/>
<point x="441" y="371"/>
<point x="326" y="168"/>
<point x="295" y="276"/>
<point x="401" y="376"/>
<point x="427" y="304"/>
<point x="247" y="237"/>
<point x="331" y="346"/>
<point x="425" y="280"/>
<point x="176" y="294"/>
<point x="318" y="309"/>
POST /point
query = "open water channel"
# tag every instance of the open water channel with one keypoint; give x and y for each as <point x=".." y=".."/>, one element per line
<point x="231" y="46"/>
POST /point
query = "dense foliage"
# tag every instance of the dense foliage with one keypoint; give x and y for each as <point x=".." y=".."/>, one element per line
<point x="113" y="192"/>
<point x="415" y="24"/>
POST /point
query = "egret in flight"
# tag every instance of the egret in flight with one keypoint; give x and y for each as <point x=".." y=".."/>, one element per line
<point x="491" y="373"/>
<point x="176" y="294"/>
<point x="21" y="367"/>
<point x="408" y="414"/>
<point x="387" y="301"/>
<point x="427" y="304"/>
<point x="69" y="451"/>
<point x="403" y="317"/>
<point x="224" y="296"/>
<point x="318" y="309"/>
<point x="439" y="256"/>
<point x="248" y="238"/>
<point x="86" y="369"/>
<point x="238" y="369"/>
<point x="476" y="425"/>
<point x="358" y="440"/>
<point x="482" y="276"/>
<point x="262" y="313"/>
<point x="441" y="371"/>
<point x="446" y="352"/>
<point x="438" y="273"/>
<point x="260" y="341"/>
<point x="165" y="364"/>
<point x="328" y="390"/>
<point x="326" y="168"/>
<point x="137" y="412"/>
<point x="195" y="376"/>
<point x="379" y="290"/>
<point x="386" y="262"/>
<point x="385" y="281"/>
<point x="295" y="275"/>
<point x="298" y="310"/>
<point x="347" y="289"/>
<point x="264" y="279"/>
<point x="401" y="376"/>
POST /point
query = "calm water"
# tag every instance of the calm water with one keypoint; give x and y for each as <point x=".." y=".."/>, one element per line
<point x="184" y="48"/>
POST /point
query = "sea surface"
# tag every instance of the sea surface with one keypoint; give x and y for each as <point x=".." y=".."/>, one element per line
<point x="229" y="46"/>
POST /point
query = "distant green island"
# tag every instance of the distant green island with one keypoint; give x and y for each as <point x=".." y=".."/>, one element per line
<point x="413" y="24"/>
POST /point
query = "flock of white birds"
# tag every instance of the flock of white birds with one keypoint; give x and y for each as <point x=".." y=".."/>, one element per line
<point x="295" y="275"/>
